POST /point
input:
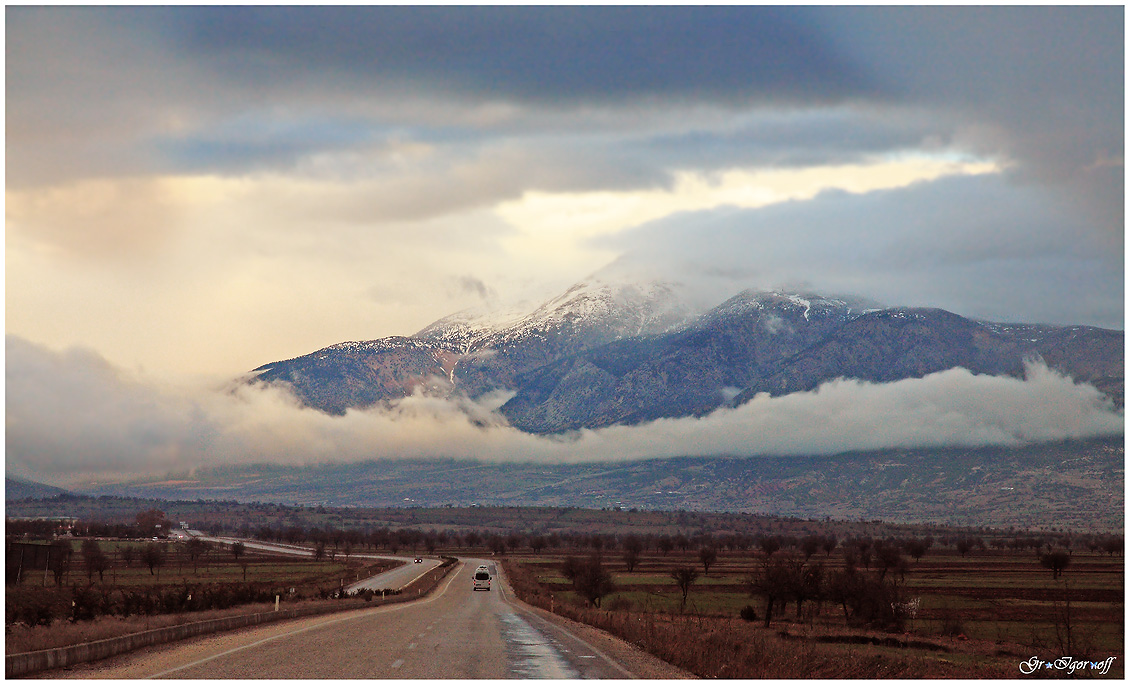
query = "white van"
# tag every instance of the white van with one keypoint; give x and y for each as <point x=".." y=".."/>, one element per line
<point x="482" y="579"/>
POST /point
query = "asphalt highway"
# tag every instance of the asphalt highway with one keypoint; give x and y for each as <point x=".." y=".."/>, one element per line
<point x="393" y="579"/>
<point x="454" y="633"/>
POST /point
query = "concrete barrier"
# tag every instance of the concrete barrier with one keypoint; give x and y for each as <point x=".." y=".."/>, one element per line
<point x="26" y="663"/>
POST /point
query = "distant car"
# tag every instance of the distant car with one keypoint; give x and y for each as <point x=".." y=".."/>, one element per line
<point x="482" y="579"/>
<point x="418" y="561"/>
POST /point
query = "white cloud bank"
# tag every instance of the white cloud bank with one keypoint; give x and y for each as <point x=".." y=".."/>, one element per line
<point x="72" y="417"/>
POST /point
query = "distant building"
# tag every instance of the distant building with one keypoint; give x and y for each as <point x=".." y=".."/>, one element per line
<point x="66" y="522"/>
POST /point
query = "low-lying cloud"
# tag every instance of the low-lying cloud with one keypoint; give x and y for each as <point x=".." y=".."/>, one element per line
<point x="72" y="417"/>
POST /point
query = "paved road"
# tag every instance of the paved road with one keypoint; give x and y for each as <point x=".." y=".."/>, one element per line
<point x="396" y="578"/>
<point x="393" y="579"/>
<point x="454" y="633"/>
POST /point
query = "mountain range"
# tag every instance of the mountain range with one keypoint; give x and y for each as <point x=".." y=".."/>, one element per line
<point x="606" y="353"/>
<point x="1069" y="485"/>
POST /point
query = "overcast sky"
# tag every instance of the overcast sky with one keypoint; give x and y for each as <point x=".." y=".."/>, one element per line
<point x="192" y="192"/>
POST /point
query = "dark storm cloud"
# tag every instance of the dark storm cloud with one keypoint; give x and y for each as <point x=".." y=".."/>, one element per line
<point x="610" y="95"/>
<point x="1044" y="86"/>
<point x="555" y="54"/>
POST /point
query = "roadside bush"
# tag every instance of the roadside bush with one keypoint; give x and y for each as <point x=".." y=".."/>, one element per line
<point x="85" y="604"/>
<point x="31" y="608"/>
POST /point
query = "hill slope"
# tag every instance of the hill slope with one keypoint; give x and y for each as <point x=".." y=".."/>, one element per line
<point x="1073" y="484"/>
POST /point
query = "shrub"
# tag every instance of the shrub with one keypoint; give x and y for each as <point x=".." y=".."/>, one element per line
<point x="748" y="613"/>
<point x="33" y="609"/>
<point x="84" y="604"/>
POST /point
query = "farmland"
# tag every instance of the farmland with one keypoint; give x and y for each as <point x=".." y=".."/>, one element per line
<point x="977" y="615"/>
<point x="80" y="604"/>
<point x="764" y="596"/>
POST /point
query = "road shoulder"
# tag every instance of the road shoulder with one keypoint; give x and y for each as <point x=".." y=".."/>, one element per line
<point x="640" y="663"/>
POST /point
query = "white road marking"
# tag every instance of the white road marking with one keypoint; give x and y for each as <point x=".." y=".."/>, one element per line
<point x="398" y="663"/>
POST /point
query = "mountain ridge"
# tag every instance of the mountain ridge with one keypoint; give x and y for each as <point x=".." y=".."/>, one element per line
<point x="605" y="353"/>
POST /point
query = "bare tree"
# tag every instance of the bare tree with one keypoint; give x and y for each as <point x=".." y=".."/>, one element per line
<point x="682" y="542"/>
<point x="804" y="582"/>
<point x="916" y="548"/>
<point x="153" y="556"/>
<point x="684" y="577"/>
<point x="772" y="583"/>
<point x="888" y="557"/>
<point x="196" y="548"/>
<point x="94" y="559"/>
<point x="769" y="544"/>
<point x="632" y="549"/>
<point x="809" y="545"/>
<point x="1056" y="561"/>
<point x="707" y="555"/>
<point x="59" y="560"/>
<point x="589" y="578"/>
<point x="237" y="550"/>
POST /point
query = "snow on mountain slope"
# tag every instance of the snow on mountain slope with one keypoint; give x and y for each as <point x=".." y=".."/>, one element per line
<point x="607" y="308"/>
<point x="467" y="329"/>
<point x="808" y="305"/>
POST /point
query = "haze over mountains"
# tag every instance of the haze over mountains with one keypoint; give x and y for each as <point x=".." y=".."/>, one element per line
<point x="609" y="352"/>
